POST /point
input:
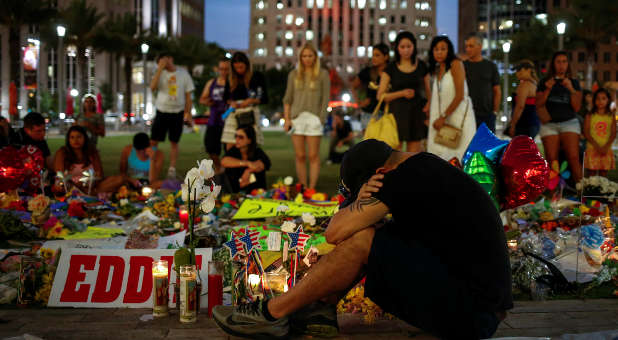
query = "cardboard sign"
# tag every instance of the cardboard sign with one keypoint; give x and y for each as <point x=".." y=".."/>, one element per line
<point x="261" y="208"/>
<point x="110" y="278"/>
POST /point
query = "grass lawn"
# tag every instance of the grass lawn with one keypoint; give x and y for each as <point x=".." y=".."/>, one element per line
<point x="278" y="146"/>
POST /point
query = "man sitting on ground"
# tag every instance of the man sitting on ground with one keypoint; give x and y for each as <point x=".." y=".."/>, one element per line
<point x="33" y="133"/>
<point x="440" y="265"/>
<point x="342" y="135"/>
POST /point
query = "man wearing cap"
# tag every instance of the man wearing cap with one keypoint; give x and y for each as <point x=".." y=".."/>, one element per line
<point x="483" y="83"/>
<point x="441" y="264"/>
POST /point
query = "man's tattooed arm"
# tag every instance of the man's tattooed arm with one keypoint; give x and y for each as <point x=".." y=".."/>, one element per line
<point x="359" y="204"/>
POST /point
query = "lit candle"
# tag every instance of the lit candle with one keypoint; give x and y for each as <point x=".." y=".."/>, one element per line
<point x="183" y="216"/>
<point x="188" y="294"/>
<point x="512" y="244"/>
<point x="146" y="191"/>
<point x="254" y="285"/>
<point x="160" y="290"/>
<point x="276" y="282"/>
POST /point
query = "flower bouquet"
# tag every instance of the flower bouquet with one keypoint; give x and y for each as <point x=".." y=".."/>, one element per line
<point x="39" y="206"/>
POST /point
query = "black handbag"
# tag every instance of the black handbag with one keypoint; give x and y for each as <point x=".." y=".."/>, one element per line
<point x="245" y="116"/>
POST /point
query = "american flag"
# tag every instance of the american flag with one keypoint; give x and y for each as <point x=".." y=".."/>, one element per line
<point x="235" y="246"/>
<point x="298" y="239"/>
<point x="251" y="240"/>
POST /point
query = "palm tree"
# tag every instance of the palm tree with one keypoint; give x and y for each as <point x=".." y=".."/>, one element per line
<point x="589" y="24"/>
<point x="119" y="36"/>
<point x="81" y="21"/>
<point x="14" y="15"/>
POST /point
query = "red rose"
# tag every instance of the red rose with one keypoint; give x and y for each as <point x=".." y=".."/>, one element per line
<point x="76" y="210"/>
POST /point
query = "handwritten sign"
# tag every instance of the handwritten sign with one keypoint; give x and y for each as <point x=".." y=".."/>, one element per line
<point x="261" y="208"/>
<point x="95" y="232"/>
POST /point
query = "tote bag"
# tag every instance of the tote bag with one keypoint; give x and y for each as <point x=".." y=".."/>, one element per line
<point x="383" y="128"/>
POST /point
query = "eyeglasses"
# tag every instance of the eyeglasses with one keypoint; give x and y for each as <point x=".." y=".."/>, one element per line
<point x="343" y="190"/>
<point x="239" y="136"/>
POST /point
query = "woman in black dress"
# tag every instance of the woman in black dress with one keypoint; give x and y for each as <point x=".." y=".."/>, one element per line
<point x="409" y="78"/>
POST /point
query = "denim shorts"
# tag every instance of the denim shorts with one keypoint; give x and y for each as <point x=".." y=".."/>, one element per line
<point x="552" y="129"/>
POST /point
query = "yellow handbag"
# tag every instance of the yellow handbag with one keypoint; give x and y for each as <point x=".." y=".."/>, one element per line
<point x="383" y="128"/>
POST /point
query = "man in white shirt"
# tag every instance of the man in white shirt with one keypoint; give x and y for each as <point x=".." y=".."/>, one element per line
<point x="174" y="86"/>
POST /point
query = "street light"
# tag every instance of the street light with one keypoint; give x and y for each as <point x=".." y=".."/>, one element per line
<point x="506" y="48"/>
<point x="561" y="28"/>
<point x="145" y="49"/>
<point x="60" y="30"/>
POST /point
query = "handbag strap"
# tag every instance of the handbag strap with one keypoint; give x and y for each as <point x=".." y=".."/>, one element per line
<point x="438" y="82"/>
<point x="377" y="109"/>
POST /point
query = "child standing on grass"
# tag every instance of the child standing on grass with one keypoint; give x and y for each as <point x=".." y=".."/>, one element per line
<point x="600" y="132"/>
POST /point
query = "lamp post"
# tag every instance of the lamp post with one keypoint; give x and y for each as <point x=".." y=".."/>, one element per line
<point x="561" y="28"/>
<point x="145" y="49"/>
<point x="506" y="48"/>
<point x="61" y="30"/>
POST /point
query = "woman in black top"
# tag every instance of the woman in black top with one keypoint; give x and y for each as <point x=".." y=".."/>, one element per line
<point x="247" y="91"/>
<point x="245" y="163"/>
<point x="409" y="77"/>
<point x="367" y="81"/>
<point x="558" y="99"/>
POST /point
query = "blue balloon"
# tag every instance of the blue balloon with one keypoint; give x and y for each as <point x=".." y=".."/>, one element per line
<point x="487" y="143"/>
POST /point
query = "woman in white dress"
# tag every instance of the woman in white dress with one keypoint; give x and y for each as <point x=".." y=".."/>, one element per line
<point x="450" y="103"/>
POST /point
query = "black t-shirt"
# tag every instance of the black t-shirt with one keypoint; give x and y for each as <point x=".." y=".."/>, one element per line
<point x="558" y="102"/>
<point x="370" y="75"/>
<point x="22" y="138"/>
<point x="344" y="130"/>
<point x="447" y="211"/>
<point x="234" y="174"/>
<point x="481" y="77"/>
<point x="257" y="89"/>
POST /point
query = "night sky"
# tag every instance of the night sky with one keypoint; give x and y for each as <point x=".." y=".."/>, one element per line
<point x="227" y="21"/>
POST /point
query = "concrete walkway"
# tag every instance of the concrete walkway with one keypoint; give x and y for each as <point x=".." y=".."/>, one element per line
<point x="549" y="319"/>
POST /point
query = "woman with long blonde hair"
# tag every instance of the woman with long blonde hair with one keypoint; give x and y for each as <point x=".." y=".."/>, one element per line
<point x="304" y="108"/>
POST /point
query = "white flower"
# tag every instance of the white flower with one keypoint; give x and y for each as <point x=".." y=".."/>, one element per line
<point x="308" y="218"/>
<point x="216" y="190"/>
<point x="288" y="180"/>
<point x="192" y="176"/>
<point x="124" y="201"/>
<point x="288" y="226"/>
<point x="205" y="169"/>
<point x="282" y="208"/>
<point x="208" y="204"/>
<point x="185" y="192"/>
<point x="177" y="225"/>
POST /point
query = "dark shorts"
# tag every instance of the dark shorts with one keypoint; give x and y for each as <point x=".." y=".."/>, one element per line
<point x="212" y="139"/>
<point x="489" y="120"/>
<point x="165" y="123"/>
<point x="407" y="280"/>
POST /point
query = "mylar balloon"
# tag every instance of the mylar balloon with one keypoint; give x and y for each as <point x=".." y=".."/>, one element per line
<point x="524" y="171"/>
<point x="481" y="169"/>
<point x="486" y="142"/>
<point x="12" y="172"/>
<point x="34" y="162"/>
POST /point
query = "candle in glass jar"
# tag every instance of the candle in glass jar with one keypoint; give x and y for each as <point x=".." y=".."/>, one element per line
<point x="276" y="282"/>
<point x="160" y="288"/>
<point x="188" y="294"/>
<point x="512" y="244"/>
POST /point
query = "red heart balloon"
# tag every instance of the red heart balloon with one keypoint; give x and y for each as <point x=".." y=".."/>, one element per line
<point x="12" y="172"/>
<point x="524" y="172"/>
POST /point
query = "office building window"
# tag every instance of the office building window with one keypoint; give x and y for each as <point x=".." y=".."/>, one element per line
<point x="403" y="19"/>
<point x="382" y="4"/>
<point x="403" y="4"/>
<point x="279" y="5"/>
<point x="309" y="3"/>
<point x="606" y="76"/>
<point x="382" y="20"/>
<point x="260" y="5"/>
<point x="279" y="51"/>
<point x="581" y="57"/>
<point x="392" y="19"/>
<point x="606" y="58"/>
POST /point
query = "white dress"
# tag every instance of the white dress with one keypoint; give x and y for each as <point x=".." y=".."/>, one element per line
<point x="446" y="86"/>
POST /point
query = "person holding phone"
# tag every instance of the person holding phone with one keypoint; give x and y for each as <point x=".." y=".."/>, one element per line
<point x="558" y="98"/>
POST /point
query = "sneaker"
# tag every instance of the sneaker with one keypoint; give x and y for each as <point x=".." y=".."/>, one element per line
<point x="317" y="319"/>
<point x="171" y="173"/>
<point x="247" y="320"/>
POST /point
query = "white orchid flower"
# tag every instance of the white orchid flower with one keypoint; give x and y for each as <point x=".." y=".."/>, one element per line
<point x="288" y="180"/>
<point x="205" y="168"/>
<point x="288" y="226"/>
<point x="208" y="204"/>
<point x="308" y="218"/>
